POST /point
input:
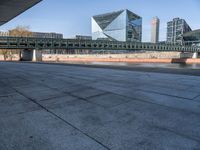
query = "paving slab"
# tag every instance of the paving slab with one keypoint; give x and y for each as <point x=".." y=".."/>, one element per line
<point x="109" y="100"/>
<point x="40" y="130"/>
<point x="39" y="95"/>
<point x="87" y="92"/>
<point x="180" y="122"/>
<point x="138" y="136"/>
<point x="197" y="99"/>
<point x="16" y="104"/>
<point x="170" y="91"/>
<point x="86" y="116"/>
<point x="5" y="90"/>
<point x="165" y="100"/>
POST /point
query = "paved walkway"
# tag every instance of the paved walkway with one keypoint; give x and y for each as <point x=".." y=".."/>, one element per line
<point x="57" y="107"/>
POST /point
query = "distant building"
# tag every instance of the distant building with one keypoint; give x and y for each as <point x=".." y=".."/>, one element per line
<point x="47" y="35"/>
<point x="162" y="42"/>
<point x="82" y="37"/>
<point x="192" y="37"/>
<point x="175" y="30"/>
<point x="4" y="33"/>
<point x="39" y="35"/>
<point x="155" y="26"/>
<point x="121" y="25"/>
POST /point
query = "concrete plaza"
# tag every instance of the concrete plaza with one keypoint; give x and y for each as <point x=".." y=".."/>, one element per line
<point x="63" y="107"/>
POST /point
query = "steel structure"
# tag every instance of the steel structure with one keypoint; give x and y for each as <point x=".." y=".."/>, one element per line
<point x="70" y="44"/>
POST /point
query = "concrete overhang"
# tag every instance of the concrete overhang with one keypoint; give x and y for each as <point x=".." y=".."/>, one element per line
<point x="11" y="8"/>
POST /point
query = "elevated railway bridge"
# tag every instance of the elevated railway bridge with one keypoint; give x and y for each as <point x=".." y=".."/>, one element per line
<point x="31" y="43"/>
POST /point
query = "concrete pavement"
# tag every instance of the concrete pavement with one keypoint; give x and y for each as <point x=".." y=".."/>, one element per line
<point x="60" y="107"/>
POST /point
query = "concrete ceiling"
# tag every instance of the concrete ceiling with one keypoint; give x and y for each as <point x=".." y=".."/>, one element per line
<point x="11" y="8"/>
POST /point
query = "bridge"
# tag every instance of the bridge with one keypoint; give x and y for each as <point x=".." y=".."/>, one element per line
<point x="70" y="44"/>
<point x="32" y="45"/>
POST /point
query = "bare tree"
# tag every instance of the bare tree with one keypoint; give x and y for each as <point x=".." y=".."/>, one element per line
<point x="19" y="31"/>
<point x="4" y="52"/>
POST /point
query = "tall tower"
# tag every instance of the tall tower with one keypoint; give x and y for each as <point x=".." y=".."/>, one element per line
<point x="155" y="25"/>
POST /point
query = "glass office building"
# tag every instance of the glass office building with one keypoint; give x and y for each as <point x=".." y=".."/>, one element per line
<point x="121" y="25"/>
<point x="192" y="38"/>
<point x="175" y="30"/>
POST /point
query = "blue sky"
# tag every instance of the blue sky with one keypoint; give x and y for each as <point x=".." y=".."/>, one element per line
<point x="72" y="17"/>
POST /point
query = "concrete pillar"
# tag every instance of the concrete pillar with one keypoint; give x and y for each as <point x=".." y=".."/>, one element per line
<point x="37" y="55"/>
<point x="195" y="55"/>
<point x="185" y="55"/>
<point x="189" y="55"/>
<point x="31" y="55"/>
<point x="27" y="55"/>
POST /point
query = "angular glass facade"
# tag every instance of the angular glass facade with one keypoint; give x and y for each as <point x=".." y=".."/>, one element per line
<point x="122" y="25"/>
<point x="175" y="30"/>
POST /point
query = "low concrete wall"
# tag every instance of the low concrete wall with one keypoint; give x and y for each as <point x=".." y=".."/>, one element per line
<point x="14" y="57"/>
<point x="147" y="55"/>
<point x="151" y="57"/>
<point x="132" y="60"/>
